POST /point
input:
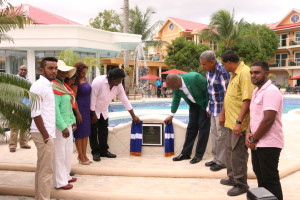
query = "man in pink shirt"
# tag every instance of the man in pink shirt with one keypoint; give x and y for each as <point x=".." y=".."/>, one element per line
<point x="104" y="89"/>
<point x="265" y="135"/>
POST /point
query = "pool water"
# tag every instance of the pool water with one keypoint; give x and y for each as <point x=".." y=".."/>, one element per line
<point x="288" y="105"/>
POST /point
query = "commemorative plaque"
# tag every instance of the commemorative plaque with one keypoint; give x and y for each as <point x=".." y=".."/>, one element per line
<point x="153" y="134"/>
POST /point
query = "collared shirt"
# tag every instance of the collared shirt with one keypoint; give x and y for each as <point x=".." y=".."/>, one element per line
<point x="45" y="107"/>
<point x="158" y="83"/>
<point x="217" y="81"/>
<point x="267" y="98"/>
<point x="102" y="95"/>
<point x="186" y="91"/>
<point x="239" y="89"/>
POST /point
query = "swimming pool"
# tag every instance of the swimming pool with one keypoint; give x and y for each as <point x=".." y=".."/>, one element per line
<point x="288" y="105"/>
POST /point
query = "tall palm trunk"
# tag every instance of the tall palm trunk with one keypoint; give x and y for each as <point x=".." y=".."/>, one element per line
<point x="126" y="30"/>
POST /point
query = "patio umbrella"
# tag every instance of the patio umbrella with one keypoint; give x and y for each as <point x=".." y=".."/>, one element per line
<point x="174" y="71"/>
<point x="295" y="78"/>
<point x="149" y="76"/>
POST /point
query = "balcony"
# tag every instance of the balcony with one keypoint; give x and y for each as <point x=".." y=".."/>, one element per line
<point x="285" y="63"/>
<point x="289" y="43"/>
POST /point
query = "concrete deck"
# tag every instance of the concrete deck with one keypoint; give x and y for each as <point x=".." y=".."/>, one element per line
<point x="146" y="177"/>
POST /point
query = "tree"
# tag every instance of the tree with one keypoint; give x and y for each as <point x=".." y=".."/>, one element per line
<point x="224" y="30"/>
<point x="108" y="20"/>
<point x="184" y="55"/>
<point x="249" y="51"/>
<point x="11" y="18"/>
<point x="13" y="112"/>
<point x="69" y="57"/>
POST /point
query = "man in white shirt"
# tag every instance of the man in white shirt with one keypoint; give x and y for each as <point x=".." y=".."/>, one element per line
<point x="104" y="89"/>
<point x="42" y="128"/>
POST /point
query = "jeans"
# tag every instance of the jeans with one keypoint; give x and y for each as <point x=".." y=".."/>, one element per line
<point x="265" y="166"/>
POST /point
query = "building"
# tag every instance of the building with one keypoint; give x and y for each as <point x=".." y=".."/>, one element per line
<point x="50" y="34"/>
<point x="286" y="62"/>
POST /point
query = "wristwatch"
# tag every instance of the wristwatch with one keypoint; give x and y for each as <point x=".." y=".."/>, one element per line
<point x="238" y="122"/>
<point x="252" y="140"/>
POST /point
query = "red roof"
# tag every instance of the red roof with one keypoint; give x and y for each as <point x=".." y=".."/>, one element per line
<point x="189" y="25"/>
<point x="286" y="26"/>
<point x="44" y="17"/>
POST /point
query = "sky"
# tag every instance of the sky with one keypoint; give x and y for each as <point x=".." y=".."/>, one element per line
<point x="258" y="11"/>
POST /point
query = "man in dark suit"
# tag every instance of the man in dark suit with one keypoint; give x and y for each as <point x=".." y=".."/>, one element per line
<point x="192" y="87"/>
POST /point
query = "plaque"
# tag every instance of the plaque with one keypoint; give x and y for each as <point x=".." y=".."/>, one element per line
<point x="153" y="134"/>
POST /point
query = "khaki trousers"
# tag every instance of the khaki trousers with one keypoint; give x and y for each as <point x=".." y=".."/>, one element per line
<point x="236" y="158"/>
<point x="23" y="139"/>
<point x="44" y="168"/>
<point x="218" y="141"/>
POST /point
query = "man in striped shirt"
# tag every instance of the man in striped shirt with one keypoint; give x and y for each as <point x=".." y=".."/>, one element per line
<point x="217" y="80"/>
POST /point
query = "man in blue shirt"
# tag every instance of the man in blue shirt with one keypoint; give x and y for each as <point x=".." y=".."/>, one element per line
<point x="217" y="81"/>
<point x="23" y="138"/>
<point x="158" y="84"/>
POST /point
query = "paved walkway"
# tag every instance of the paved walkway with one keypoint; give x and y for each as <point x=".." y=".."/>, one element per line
<point x="147" y="177"/>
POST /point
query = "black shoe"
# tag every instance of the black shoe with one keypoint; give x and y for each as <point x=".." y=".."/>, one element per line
<point x="227" y="182"/>
<point x="96" y="157"/>
<point x="181" y="157"/>
<point x="108" y="155"/>
<point x="237" y="190"/>
<point x="195" y="160"/>
<point x="217" y="167"/>
<point x="72" y="173"/>
<point x="209" y="164"/>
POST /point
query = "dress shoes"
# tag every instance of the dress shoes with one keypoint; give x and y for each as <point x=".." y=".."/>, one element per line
<point x="96" y="157"/>
<point x="181" y="157"/>
<point x="217" y="167"/>
<point x="227" y="182"/>
<point x="209" y="164"/>
<point x="12" y="150"/>
<point x="72" y="173"/>
<point x="195" y="160"/>
<point x="66" y="187"/>
<point x="108" y="155"/>
<point x="73" y="179"/>
<point x="26" y="147"/>
<point x="237" y="190"/>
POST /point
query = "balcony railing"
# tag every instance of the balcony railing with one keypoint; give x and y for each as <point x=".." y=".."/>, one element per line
<point x="289" y="42"/>
<point x="149" y="57"/>
<point x="285" y="63"/>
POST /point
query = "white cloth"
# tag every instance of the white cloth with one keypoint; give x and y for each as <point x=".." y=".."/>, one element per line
<point x="63" y="150"/>
<point x="102" y="95"/>
<point x="186" y="91"/>
<point x="45" y="107"/>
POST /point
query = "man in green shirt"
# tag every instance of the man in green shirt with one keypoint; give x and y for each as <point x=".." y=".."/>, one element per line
<point x="192" y="87"/>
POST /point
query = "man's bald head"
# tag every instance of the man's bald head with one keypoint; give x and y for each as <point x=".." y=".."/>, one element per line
<point x="22" y="71"/>
<point x="174" y="81"/>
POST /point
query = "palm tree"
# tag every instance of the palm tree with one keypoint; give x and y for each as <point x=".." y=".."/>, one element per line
<point x="13" y="112"/>
<point x="11" y="18"/>
<point x="223" y="29"/>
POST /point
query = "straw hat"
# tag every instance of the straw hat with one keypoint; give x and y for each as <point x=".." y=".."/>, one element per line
<point x="63" y="67"/>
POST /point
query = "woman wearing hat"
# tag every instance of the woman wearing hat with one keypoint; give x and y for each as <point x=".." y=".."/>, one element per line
<point x="65" y="123"/>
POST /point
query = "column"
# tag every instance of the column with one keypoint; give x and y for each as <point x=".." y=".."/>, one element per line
<point x="31" y="65"/>
<point x="137" y="75"/>
<point x="159" y="71"/>
<point x="105" y="68"/>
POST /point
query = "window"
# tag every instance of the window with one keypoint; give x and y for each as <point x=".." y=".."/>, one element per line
<point x="297" y="59"/>
<point x="11" y="60"/>
<point x="283" y="38"/>
<point x="171" y="26"/>
<point x="281" y="60"/>
<point x="213" y="45"/>
<point x="297" y="36"/>
<point x="188" y="38"/>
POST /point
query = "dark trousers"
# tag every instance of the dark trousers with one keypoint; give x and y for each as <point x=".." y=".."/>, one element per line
<point x="198" y="123"/>
<point x="265" y="166"/>
<point x="236" y="154"/>
<point x="158" y="91"/>
<point x="98" y="137"/>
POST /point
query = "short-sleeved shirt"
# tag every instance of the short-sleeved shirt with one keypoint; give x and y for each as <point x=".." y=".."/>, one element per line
<point x="45" y="107"/>
<point x="239" y="89"/>
<point x="267" y="98"/>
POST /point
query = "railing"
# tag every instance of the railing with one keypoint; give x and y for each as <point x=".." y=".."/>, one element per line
<point x="285" y="63"/>
<point x="149" y="57"/>
<point x="289" y="42"/>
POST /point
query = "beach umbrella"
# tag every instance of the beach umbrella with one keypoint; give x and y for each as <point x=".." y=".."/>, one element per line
<point x="295" y="78"/>
<point x="149" y="76"/>
<point x="174" y="71"/>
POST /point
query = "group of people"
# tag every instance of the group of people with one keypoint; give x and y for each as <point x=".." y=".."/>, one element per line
<point x="69" y="106"/>
<point x="238" y="112"/>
